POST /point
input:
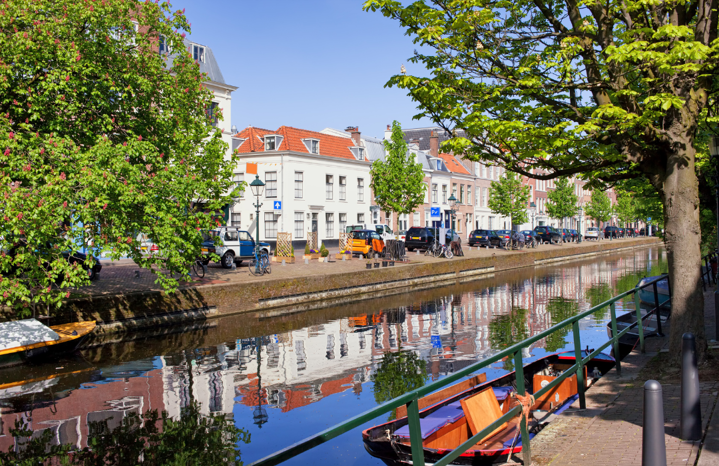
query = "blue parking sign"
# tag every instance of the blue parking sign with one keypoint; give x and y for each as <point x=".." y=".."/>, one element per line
<point x="436" y="341"/>
<point x="277" y="205"/>
<point x="434" y="213"/>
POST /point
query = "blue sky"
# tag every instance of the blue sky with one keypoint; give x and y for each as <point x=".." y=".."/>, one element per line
<point x="310" y="64"/>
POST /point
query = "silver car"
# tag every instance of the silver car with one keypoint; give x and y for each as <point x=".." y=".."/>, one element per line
<point x="592" y="233"/>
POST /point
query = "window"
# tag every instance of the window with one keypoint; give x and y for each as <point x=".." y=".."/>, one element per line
<point x="235" y="221"/>
<point x="163" y="46"/>
<point x="434" y="193"/>
<point x="358" y="152"/>
<point x="238" y="178"/>
<point x="444" y="194"/>
<point x="360" y="192"/>
<point x="299" y="225"/>
<point x="343" y="188"/>
<point x="270" y="225"/>
<point x="312" y="145"/>
<point x="477" y="200"/>
<point x="271" y="184"/>
<point x="469" y="195"/>
<point x="198" y="53"/>
<point x="485" y="198"/>
<point x="461" y="194"/>
<point x="213" y="112"/>
<point x="343" y="222"/>
<point x="330" y="224"/>
<point x="426" y="193"/>
<point x="329" y="186"/>
<point x="454" y="190"/>
<point x="415" y="219"/>
<point x="269" y="143"/>
<point x="299" y="184"/>
<point x="360" y="218"/>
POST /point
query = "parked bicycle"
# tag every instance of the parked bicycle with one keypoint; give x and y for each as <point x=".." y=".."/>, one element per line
<point x="199" y="268"/>
<point x="259" y="264"/>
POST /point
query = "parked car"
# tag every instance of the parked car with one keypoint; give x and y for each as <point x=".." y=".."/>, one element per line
<point x="592" y="233"/>
<point x="531" y="238"/>
<point x="383" y="230"/>
<point x="566" y="235"/>
<point x="71" y="256"/>
<point x="504" y="237"/>
<point x="484" y="238"/>
<point x="548" y="234"/>
<point x="419" y="238"/>
<point x="452" y="235"/>
<point x="235" y="245"/>
<point x="611" y="232"/>
<point x="575" y="235"/>
<point x="366" y="243"/>
<point x="402" y="235"/>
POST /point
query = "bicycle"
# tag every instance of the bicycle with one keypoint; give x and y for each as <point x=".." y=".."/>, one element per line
<point x="445" y="251"/>
<point x="199" y="268"/>
<point x="260" y="264"/>
<point x="433" y="250"/>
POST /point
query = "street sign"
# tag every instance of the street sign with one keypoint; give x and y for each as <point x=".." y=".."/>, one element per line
<point x="434" y="213"/>
<point x="277" y="205"/>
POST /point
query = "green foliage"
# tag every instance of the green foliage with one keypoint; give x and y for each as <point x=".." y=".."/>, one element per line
<point x="323" y="250"/>
<point x="509" y="197"/>
<point x="708" y="224"/>
<point x="597" y="294"/>
<point x="625" y="209"/>
<point x="560" y="309"/>
<point x="397" y="181"/>
<point x="397" y="374"/>
<point x="101" y="140"/>
<point x="307" y="248"/>
<point x="562" y="202"/>
<point x="193" y="439"/>
<point x="599" y="207"/>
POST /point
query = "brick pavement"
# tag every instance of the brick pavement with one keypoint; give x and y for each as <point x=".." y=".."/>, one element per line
<point x="119" y="277"/>
<point x="609" y="431"/>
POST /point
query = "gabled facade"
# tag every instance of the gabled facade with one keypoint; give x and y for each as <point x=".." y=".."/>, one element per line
<point x="313" y="182"/>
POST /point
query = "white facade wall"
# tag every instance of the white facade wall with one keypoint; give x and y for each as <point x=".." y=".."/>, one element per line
<point x="223" y="97"/>
<point x="307" y="207"/>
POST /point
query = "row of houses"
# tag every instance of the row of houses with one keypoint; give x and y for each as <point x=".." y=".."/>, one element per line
<point x="319" y="181"/>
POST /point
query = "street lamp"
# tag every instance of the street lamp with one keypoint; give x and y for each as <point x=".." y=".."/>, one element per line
<point x="258" y="187"/>
<point x="259" y="414"/>
<point x="714" y="152"/>
<point x="532" y="209"/>
<point x="452" y="205"/>
<point x="579" y="227"/>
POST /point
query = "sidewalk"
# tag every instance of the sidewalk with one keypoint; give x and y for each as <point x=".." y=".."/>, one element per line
<point x="609" y="431"/>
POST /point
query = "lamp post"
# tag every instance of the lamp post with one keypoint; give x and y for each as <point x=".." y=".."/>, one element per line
<point x="714" y="152"/>
<point x="452" y="205"/>
<point x="579" y="226"/>
<point x="258" y="187"/>
<point x="259" y="414"/>
<point x="532" y="209"/>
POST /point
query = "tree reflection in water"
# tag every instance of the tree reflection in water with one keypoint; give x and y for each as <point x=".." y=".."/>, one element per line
<point x="560" y="309"/>
<point x="397" y="374"/>
<point x="597" y="294"/>
<point x="156" y="439"/>
<point x="508" y="329"/>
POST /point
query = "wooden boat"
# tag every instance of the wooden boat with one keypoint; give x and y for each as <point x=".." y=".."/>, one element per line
<point x="451" y="416"/>
<point x="649" y="325"/>
<point x="646" y="295"/>
<point x="29" y="340"/>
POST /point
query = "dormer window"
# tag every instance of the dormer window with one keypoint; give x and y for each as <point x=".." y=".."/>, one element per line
<point x="272" y="142"/>
<point x="358" y="152"/>
<point x="237" y="142"/>
<point x="312" y="145"/>
<point x="439" y="165"/>
<point x="163" y="45"/>
<point x="198" y="53"/>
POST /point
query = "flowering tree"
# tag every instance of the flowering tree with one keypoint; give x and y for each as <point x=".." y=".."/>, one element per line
<point x="102" y="138"/>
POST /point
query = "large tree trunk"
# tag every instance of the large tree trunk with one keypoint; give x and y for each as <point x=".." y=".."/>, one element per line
<point x="682" y="239"/>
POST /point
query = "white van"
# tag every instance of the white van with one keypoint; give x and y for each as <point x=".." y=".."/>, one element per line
<point x="383" y="230"/>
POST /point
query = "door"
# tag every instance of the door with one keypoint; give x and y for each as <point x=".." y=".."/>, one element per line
<point x="246" y="244"/>
<point x="314" y="223"/>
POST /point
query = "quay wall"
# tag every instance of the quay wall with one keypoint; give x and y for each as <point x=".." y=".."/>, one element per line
<point x="273" y="297"/>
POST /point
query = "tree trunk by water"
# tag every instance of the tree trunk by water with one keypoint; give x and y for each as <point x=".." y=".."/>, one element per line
<point x="682" y="240"/>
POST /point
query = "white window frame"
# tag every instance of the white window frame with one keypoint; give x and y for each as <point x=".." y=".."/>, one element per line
<point x="329" y="187"/>
<point x="343" y="188"/>
<point x="238" y="178"/>
<point x="270" y="188"/>
<point x="329" y="224"/>
<point x="299" y="225"/>
<point x="236" y="219"/>
<point x="360" y="189"/>
<point x="199" y="53"/>
<point x="271" y="224"/>
<point x="312" y="143"/>
<point x="301" y="186"/>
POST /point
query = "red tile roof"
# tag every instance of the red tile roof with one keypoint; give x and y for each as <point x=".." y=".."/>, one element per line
<point x="453" y="165"/>
<point x="330" y="146"/>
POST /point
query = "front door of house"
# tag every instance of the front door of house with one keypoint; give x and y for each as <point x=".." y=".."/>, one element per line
<point x="314" y="223"/>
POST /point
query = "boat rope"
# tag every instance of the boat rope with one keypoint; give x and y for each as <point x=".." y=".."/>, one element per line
<point x="526" y="401"/>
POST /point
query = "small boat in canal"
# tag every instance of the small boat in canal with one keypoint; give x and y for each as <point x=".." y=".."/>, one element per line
<point x="29" y="340"/>
<point x="451" y="416"/>
<point x="646" y="295"/>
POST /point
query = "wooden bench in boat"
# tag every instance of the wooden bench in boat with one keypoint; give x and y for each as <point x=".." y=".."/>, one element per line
<point x="559" y="394"/>
<point x="436" y="397"/>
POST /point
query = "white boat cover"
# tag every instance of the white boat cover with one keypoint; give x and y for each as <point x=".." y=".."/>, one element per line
<point x="24" y="332"/>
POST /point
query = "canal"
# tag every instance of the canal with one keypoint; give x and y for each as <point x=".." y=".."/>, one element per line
<point x="283" y="378"/>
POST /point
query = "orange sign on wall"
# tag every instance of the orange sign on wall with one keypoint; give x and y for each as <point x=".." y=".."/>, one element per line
<point x="251" y="168"/>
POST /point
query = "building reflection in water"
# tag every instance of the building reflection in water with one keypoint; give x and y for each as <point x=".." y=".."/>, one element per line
<point x="296" y="368"/>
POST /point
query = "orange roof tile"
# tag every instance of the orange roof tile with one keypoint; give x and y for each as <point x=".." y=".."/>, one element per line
<point x="453" y="164"/>
<point x="330" y="146"/>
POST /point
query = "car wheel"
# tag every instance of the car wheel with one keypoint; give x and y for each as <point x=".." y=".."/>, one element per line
<point x="369" y="254"/>
<point x="92" y="274"/>
<point x="228" y="259"/>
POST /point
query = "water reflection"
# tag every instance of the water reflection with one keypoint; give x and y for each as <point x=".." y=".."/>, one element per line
<point x="283" y="377"/>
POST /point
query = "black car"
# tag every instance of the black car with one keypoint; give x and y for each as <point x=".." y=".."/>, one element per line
<point x="81" y="258"/>
<point x="575" y="235"/>
<point x="484" y="238"/>
<point x="566" y="235"/>
<point x="531" y="238"/>
<point x="504" y="237"/>
<point x="419" y="238"/>
<point x="612" y="232"/>
<point x="548" y="234"/>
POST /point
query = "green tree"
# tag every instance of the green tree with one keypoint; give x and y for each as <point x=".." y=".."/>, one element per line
<point x="397" y="182"/>
<point x="625" y="208"/>
<point x="610" y="90"/>
<point x="560" y="309"/>
<point x="562" y="202"/>
<point x="507" y="329"/>
<point x="599" y="207"/>
<point x="509" y="197"/>
<point x="102" y="138"/>
<point x="397" y="374"/>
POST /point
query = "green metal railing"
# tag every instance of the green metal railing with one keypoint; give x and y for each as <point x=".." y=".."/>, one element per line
<point x="411" y="399"/>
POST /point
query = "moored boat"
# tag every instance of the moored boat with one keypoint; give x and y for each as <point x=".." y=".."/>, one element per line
<point x="451" y="416"/>
<point x="29" y="340"/>
<point x="646" y="295"/>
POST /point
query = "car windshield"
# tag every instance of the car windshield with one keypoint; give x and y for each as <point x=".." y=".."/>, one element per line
<point x="352" y="228"/>
<point x="503" y="232"/>
<point x="527" y="232"/>
<point x="481" y="232"/>
<point x="209" y="235"/>
<point x="360" y="234"/>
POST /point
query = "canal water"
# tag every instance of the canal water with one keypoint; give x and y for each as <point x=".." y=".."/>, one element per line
<point x="283" y="378"/>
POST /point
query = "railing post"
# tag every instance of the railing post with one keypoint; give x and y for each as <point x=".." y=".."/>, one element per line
<point x="640" y="324"/>
<point x="657" y="313"/>
<point x="580" y="368"/>
<point x="415" y="432"/>
<point x="521" y="390"/>
<point x="617" y="356"/>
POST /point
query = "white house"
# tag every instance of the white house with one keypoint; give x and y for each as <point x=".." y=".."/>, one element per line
<point x="313" y="182"/>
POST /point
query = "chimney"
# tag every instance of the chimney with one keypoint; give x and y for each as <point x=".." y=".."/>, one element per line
<point x="355" y="133"/>
<point x="388" y="133"/>
<point x="434" y="144"/>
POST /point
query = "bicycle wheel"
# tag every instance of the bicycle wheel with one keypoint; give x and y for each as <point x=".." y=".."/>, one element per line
<point x="252" y="266"/>
<point x="448" y="253"/>
<point x="265" y="264"/>
<point x="199" y="269"/>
